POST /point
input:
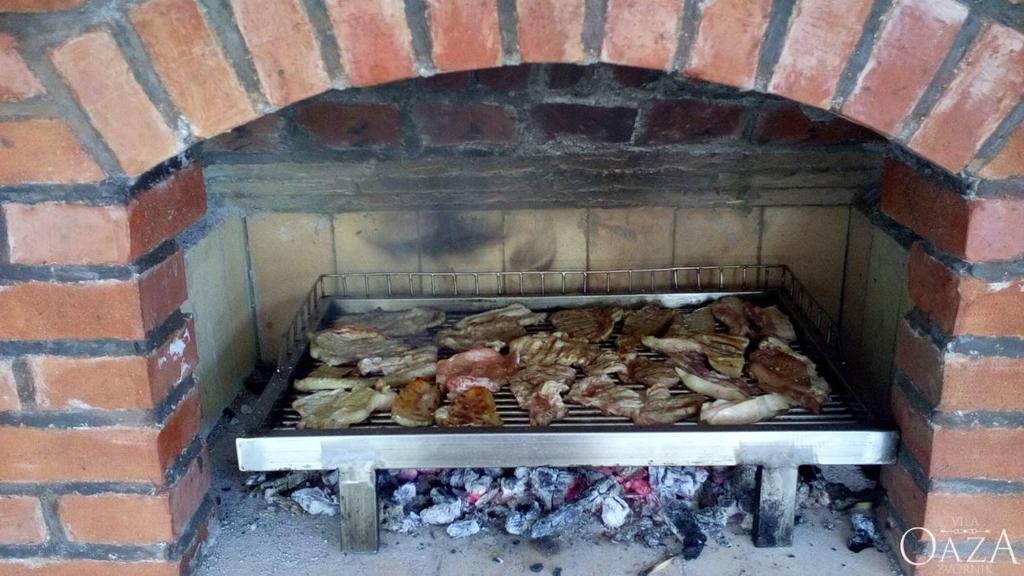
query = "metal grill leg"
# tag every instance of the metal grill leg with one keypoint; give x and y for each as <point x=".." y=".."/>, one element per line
<point x="357" y="492"/>
<point x="776" y="509"/>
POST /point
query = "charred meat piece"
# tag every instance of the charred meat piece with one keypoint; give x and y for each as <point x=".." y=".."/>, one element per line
<point x="495" y="333"/>
<point x="593" y="324"/>
<point x="478" y="368"/>
<point x="607" y="362"/>
<point x="538" y="390"/>
<point x="651" y="320"/>
<point x="652" y="373"/>
<point x="603" y="393"/>
<point x="555" y="348"/>
<point x="693" y="370"/>
<point x="724" y="352"/>
<point x="521" y="314"/>
<point x="416" y="403"/>
<point x="348" y="344"/>
<point x="747" y="411"/>
<point x="732" y="312"/>
<point x="661" y="407"/>
<point x="399" y="362"/>
<point x="779" y="369"/>
<point x="402" y="323"/>
<point x="700" y="321"/>
<point x="341" y="408"/>
<point x="474" y="407"/>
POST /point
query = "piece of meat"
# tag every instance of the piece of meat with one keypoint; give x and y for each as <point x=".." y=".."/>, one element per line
<point x="538" y="390"/>
<point x="732" y="312"/>
<point x="481" y="367"/>
<point x="474" y="407"/>
<point x="607" y="362"/>
<point x="495" y="333"/>
<point x="592" y="324"/>
<point x="399" y="362"/>
<point x="650" y="320"/>
<point x="341" y="408"/>
<point x="603" y="393"/>
<point x="780" y="370"/>
<point x="670" y="346"/>
<point x="416" y="403"/>
<point x="401" y="323"/>
<point x="661" y="407"/>
<point x="325" y="377"/>
<point x="724" y="352"/>
<point x="349" y="344"/>
<point x="693" y="370"/>
<point x="749" y="411"/>
<point x="700" y="321"/>
<point x="553" y="348"/>
<point x="652" y="373"/>
<point x="521" y="314"/>
<point x="771" y="322"/>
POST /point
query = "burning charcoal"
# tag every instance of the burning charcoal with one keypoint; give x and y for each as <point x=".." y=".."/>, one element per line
<point x="712" y="521"/>
<point x="550" y="486"/>
<point x="568" y="516"/>
<point x="463" y="528"/>
<point x="487" y="497"/>
<point x="410" y="523"/>
<point x="478" y="486"/>
<point x="513" y="488"/>
<point x="614" y="511"/>
<point x="439" y="514"/>
<point x="391" y="516"/>
<point x="315" y="501"/>
<point x="862" y="524"/>
<point x="329" y="478"/>
<point x="682" y="523"/>
<point x="405" y="494"/>
<point x="678" y="482"/>
<point x="407" y="474"/>
<point x="440" y="496"/>
<point x="522" y="518"/>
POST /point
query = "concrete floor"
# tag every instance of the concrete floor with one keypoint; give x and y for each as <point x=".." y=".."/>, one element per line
<point x="255" y="540"/>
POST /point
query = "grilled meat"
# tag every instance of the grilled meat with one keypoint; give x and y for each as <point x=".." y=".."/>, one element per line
<point x="416" y="403"/>
<point x="743" y="318"/>
<point x="593" y="324"/>
<point x="348" y="344"/>
<point x="538" y="389"/>
<point x="554" y="348"/>
<point x="607" y="362"/>
<point x="402" y="323"/>
<point x="325" y="377"/>
<point x="521" y="314"/>
<point x="697" y="376"/>
<point x="732" y="312"/>
<point x="652" y="373"/>
<point x="494" y="333"/>
<point x="474" y="407"/>
<point x="661" y="407"/>
<point x="778" y="369"/>
<point x="399" y="362"/>
<point x="771" y="321"/>
<point x="724" y="352"/>
<point x="603" y="393"/>
<point x="746" y="411"/>
<point x="341" y="408"/>
<point x="481" y="367"/>
<point x="651" y="320"/>
<point x="700" y="321"/>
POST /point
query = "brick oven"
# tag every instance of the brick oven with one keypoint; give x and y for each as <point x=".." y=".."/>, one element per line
<point x="175" y="175"/>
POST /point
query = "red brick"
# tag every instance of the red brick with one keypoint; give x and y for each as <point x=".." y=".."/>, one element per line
<point x="904" y="494"/>
<point x="180" y="429"/>
<point x="641" y="33"/>
<point x="99" y="76"/>
<point x="506" y="78"/>
<point x="39" y="5"/>
<point x="187" y="494"/>
<point x="21" y="520"/>
<point x="682" y="121"/>
<point x="564" y="76"/>
<point x="822" y="35"/>
<point x="978" y="229"/>
<point x="909" y="50"/>
<point x="995" y="512"/>
<point x="43" y="151"/>
<point x="916" y="433"/>
<point x="192" y="65"/>
<point x="551" y="30"/>
<point x="446" y="124"/>
<point x="631" y="77"/>
<point x="117" y="382"/>
<point x="613" y="124"/>
<point x="260" y="135"/>
<point x="342" y="125"/>
<point x="57" y="567"/>
<point x="8" y="387"/>
<point x="1009" y="162"/>
<point x="17" y="82"/>
<point x="988" y="84"/>
<point x="729" y="41"/>
<point x="283" y="47"/>
<point x="988" y="449"/>
<point x="790" y="125"/>
<point x="124" y="309"/>
<point x="374" y="40"/>
<point x="964" y="304"/>
<point x="465" y="34"/>
<point x="166" y="209"/>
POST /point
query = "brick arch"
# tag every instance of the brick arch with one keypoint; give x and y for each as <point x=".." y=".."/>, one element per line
<point x="930" y="75"/>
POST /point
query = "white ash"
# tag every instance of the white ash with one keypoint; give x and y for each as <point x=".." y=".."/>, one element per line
<point x="315" y="501"/>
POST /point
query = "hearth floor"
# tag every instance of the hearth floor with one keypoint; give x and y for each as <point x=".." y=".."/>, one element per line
<point x="252" y="538"/>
